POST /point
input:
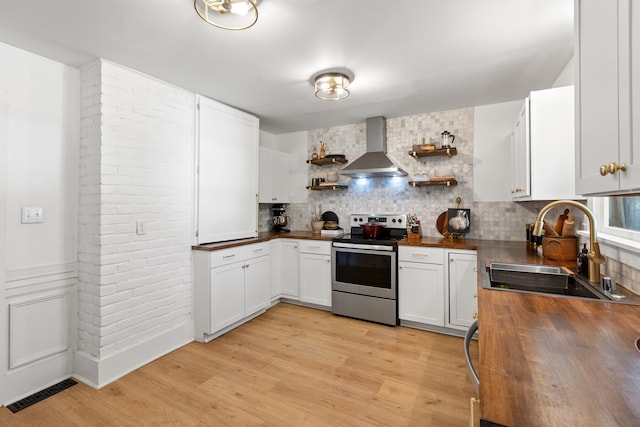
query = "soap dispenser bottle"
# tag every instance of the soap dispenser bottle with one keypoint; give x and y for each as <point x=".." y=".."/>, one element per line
<point x="583" y="261"/>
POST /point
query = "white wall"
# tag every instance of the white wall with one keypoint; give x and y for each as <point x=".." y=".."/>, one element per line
<point x="38" y="146"/>
<point x="566" y="76"/>
<point x="136" y="170"/>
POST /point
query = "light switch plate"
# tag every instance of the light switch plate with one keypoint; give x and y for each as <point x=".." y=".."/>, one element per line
<point x="32" y="215"/>
<point x="141" y="228"/>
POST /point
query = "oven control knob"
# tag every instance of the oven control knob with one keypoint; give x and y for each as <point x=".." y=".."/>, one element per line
<point x="393" y="220"/>
<point x="399" y="220"/>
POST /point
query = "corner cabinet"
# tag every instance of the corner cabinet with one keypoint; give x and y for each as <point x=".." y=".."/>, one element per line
<point x="230" y="287"/>
<point x="543" y="146"/>
<point x="608" y="97"/>
<point x="226" y="172"/>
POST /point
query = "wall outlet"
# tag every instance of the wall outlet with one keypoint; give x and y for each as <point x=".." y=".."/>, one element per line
<point x="32" y="215"/>
<point x="141" y="228"/>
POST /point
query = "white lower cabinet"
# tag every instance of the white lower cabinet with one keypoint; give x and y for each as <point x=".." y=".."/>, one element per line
<point x="432" y="292"/>
<point x="230" y="286"/>
<point x="421" y="285"/>
<point x="463" y="282"/>
<point x="289" y="268"/>
<point x="315" y="272"/>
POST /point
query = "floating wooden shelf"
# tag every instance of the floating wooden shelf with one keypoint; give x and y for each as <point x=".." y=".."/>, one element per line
<point x="447" y="183"/>
<point x="328" y="161"/>
<point x="327" y="187"/>
<point x="452" y="151"/>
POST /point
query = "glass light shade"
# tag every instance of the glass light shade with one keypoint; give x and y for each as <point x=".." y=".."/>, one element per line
<point x="331" y="86"/>
<point x="228" y="14"/>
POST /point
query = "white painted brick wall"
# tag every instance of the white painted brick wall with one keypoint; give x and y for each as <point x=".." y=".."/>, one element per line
<point x="137" y="141"/>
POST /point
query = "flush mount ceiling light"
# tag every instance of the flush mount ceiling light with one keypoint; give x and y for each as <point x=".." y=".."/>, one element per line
<point x="228" y="14"/>
<point x="332" y="86"/>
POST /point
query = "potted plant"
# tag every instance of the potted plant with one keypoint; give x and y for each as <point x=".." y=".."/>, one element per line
<point x="316" y="221"/>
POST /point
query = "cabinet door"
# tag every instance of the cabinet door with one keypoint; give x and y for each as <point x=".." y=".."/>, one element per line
<point x="463" y="288"/>
<point x="290" y="275"/>
<point x="265" y="176"/>
<point x="227" y="173"/>
<point x="227" y="295"/>
<point x="280" y="177"/>
<point x="520" y="155"/>
<point x="597" y="107"/>
<point x="630" y="137"/>
<point x="257" y="284"/>
<point x="276" y="268"/>
<point x="421" y="293"/>
<point x="315" y="279"/>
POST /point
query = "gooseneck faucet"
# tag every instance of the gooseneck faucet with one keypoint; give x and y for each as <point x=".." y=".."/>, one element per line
<point x="594" y="256"/>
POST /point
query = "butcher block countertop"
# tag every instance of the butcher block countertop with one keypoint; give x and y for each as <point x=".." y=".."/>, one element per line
<point x="553" y="360"/>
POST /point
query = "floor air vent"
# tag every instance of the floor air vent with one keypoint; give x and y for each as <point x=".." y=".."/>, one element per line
<point x="41" y="395"/>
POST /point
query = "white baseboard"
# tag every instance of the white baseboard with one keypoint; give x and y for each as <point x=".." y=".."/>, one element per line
<point x="98" y="373"/>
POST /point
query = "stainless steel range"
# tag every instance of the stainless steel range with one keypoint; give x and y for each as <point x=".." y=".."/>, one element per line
<point x="364" y="274"/>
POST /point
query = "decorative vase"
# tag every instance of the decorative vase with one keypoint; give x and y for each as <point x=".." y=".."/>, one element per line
<point x="323" y="150"/>
<point x="314" y="154"/>
<point x="316" y="226"/>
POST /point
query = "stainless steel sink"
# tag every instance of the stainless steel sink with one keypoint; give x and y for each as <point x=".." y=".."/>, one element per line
<point x="542" y="279"/>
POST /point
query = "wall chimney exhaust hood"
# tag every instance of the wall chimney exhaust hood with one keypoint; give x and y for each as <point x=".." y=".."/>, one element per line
<point x="375" y="162"/>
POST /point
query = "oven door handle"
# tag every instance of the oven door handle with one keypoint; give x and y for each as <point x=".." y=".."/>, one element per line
<point x="366" y="247"/>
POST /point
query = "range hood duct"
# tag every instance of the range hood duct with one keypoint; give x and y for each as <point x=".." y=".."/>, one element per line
<point x="375" y="162"/>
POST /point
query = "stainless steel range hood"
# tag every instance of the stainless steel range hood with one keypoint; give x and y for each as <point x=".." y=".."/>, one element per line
<point x="375" y="162"/>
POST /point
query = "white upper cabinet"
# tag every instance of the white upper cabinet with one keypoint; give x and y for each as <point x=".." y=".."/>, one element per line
<point x="608" y="97"/>
<point x="274" y="176"/>
<point x="227" y="172"/>
<point x="544" y="147"/>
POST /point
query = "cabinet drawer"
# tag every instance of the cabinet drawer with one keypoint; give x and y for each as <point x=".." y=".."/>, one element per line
<point x="315" y="247"/>
<point x="421" y="254"/>
<point x="239" y="253"/>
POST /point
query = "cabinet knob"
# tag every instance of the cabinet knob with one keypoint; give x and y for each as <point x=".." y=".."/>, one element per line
<point x="475" y="295"/>
<point x="328" y="260"/>
<point x="475" y="314"/>
<point x="612" y="168"/>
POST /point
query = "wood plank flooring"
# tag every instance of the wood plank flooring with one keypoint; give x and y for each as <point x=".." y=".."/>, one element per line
<point x="292" y="366"/>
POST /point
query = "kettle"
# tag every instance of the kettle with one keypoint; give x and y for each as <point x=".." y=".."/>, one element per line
<point x="447" y="139"/>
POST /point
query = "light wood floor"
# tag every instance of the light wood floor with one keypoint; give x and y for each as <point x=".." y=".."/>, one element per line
<point x="292" y="366"/>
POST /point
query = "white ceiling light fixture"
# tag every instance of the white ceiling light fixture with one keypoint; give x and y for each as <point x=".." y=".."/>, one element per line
<point x="332" y="86"/>
<point x="228" y="14"/>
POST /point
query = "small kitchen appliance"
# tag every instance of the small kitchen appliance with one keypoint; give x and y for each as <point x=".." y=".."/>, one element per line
<point x="364" y="273"/>
<point x="279" y="220"/>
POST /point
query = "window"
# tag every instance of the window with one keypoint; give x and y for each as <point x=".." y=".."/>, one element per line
<point x="624" y="212"/>
<point x="618" y="216"/>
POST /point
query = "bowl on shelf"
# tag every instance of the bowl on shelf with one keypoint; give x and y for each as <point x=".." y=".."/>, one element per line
<point x="330" y="225"/>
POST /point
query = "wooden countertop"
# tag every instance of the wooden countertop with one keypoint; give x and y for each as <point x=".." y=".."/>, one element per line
<point x="262" y="237"/>
<point x="438" y="242"/>
<point x="552" y="360"/>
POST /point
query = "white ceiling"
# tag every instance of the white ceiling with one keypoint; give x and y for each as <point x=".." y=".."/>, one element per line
<point x="408" y="56"/>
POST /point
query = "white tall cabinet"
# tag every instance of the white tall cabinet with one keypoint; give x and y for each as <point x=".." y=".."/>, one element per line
<point x="607" y="55"/>
<point x="227" y="172"/>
